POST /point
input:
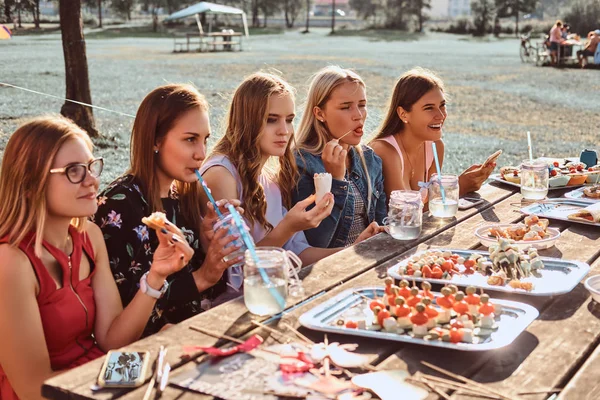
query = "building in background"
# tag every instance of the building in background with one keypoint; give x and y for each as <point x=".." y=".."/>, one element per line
<point x="438" y="10"/>
<point x="48" y="8"/>
<point x="459" y="8"/>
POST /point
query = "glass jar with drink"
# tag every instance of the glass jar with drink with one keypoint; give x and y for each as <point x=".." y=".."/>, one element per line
<point x="443" y="196"/>
<point x="266" y="278"/>
<point x="405" y="215"/>
<point x="534" y="180"/>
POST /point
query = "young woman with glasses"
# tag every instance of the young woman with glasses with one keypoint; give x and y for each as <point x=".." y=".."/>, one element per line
<point x="59" y="304"/>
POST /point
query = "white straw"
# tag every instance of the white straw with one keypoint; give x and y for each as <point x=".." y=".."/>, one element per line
<point x="529" y="146"/>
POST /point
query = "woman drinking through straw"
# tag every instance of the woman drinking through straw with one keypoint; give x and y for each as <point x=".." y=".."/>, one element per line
<point x="168" y="144"/>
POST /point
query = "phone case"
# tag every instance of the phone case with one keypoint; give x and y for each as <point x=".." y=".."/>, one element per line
<point x="124" y="369"/>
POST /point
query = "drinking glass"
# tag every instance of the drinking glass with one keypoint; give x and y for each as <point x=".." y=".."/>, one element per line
<point x="266" y="277"/>
<point x="405" y="215"/>
<point x="534" y="180"/>
<point x="443" y="207"/>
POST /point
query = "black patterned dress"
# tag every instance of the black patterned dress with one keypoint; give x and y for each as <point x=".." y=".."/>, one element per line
<point x="131" y="246"/>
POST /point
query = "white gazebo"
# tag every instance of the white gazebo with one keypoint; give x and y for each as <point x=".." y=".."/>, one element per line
<point x="208" y="8"/>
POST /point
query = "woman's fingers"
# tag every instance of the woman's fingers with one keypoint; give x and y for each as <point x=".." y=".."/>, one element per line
<point x="303" y="204"/>
<point x="173" y="229"/>
<point x="183" y="248"/>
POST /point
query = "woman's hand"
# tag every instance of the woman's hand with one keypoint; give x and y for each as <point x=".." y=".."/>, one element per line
<point x="171" y="255"/>
<point x="207" y="231"/>
<point x="298" y="219"/>
<point x="473" y="177"/>
<point x="370" y="231"/>
<point x="334" y="159"/>
<point x="213" y="267"/>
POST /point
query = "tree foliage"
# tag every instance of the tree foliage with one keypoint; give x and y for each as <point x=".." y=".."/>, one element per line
<point x="483" y="12"/>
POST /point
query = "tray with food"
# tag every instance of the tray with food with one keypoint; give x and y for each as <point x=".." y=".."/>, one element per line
<point x="532" y="232"/>
<point x="566" y="210"/>
<point x="451" y="319"/>
<point x="569" y="174"/>
<point x="504" y="268"/>
<point x="588" y="194"/>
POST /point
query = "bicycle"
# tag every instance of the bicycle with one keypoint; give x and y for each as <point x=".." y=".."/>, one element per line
<point x="527" y="51"/>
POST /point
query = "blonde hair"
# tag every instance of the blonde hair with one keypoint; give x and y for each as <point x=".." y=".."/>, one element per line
<point x="26" y="165"/>
<point x="313" y="134"/>
<point x="411" y="86"/>
<point x="157" y="114"/>
<point x="246" y="121"/>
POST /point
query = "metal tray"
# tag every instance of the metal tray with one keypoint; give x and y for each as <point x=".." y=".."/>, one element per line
<point x="557" y="277"/>
<point x="577" y="194"/>
<point x="558" y="209"/>
<point x="514" y="319"/>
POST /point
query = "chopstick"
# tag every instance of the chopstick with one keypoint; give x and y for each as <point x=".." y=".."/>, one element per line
<point x="158" y="374"/>
<point x="341" y="137"/>
<point x="553" y="390"/>
<point x="466" y="380"/>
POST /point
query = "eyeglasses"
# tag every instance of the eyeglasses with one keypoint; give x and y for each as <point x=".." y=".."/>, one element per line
<point x="76" y="173"/>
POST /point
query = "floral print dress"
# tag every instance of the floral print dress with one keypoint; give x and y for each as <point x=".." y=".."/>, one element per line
<point x="131" y="246"/>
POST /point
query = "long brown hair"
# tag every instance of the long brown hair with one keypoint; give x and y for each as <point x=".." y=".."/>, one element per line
<point x="26" y="165"/>
<point x="157" y="114"/>
<point x="246" y="121"/>
<point x="411" y="86"/>
<point x="312" y="134"/>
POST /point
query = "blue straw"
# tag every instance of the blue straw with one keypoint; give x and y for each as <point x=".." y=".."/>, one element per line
<point x="250" y="246"/>
<point x="439" y="172"/>
<point x="207" y="191"/>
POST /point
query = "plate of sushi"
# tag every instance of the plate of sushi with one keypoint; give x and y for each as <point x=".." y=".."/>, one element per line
<point x="532" y="232"/>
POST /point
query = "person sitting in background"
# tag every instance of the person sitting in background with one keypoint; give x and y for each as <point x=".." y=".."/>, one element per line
<point x="589" y="49"/>
<point x="59" y="304"/>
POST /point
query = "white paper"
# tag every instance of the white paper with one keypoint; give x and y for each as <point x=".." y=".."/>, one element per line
<point x="322" y="185"/>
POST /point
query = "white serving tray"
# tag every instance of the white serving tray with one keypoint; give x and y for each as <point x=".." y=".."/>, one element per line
<point x="577" y="194"/>
<point x="514" y="319"/>
<point x="557" y="277"/>
<point x="498" y="178"/>
<point x="558" y="209"/>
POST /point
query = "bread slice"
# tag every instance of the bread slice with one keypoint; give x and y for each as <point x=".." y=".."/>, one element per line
<point x="156" y="220"/>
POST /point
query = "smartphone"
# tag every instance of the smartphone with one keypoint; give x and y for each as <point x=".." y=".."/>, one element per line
<point x="124" y="369"/>
<point x="467" y="202"/>
<point x="492" y="158"/>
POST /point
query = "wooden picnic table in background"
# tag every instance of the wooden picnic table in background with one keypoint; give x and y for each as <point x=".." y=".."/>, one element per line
<point x="213" y="41"/>
<point x="559" y="349"/>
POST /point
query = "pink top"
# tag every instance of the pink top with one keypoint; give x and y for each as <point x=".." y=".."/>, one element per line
<point x="555" y="34"/>
<point x="428" y="158"/>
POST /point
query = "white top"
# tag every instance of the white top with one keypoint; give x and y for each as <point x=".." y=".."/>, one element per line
<point x="275" y="209"/>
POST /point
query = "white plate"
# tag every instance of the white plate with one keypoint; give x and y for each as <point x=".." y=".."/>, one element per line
<point x="498" y="178"/>
<point x="514" y="319"/>
<point x="546" y="243"/>
<point x="559" y="209"/>
<point x="557" y="277"/>
<point x="578" y="195"/>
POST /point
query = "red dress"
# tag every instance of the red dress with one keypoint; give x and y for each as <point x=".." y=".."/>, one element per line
<point x="68" y="313"/>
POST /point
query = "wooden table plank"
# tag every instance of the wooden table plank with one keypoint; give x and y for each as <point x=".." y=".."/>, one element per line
<point x="585" y="384"/>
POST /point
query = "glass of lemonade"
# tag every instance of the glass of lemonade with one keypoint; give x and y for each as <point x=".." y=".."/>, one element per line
<point x="534" y="180"/>
<point x="266" y="281"/>
<point x="227" y="221"/>
<point x="405" y="215"/>
<point x="443" y="207"/>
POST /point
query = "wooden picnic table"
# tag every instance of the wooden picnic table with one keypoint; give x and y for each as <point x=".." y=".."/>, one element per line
<point x="559" y="349"/>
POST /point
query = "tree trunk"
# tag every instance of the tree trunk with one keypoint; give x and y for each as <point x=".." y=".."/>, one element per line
<point x="333" y="17"/>
<point x="99" y="13"/>
<point x="7" y="12"/>
<point x="76" y="70"/>
<point x="255" y="10"/>
<point x="36" y="16"/>
<point x="307" y="16"/>
<point x="517" y="22"/>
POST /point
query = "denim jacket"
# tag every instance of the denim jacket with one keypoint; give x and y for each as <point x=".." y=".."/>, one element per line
<point x="334" y="230"/>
